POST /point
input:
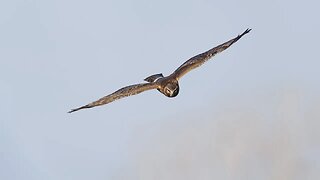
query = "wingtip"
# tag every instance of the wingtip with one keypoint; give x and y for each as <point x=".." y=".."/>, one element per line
<point x="73" y="110"/>
<point x="246" y="31"/>
<point x="82" y="107"/>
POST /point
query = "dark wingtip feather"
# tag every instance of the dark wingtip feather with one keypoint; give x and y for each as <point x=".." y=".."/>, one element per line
<point x="77" y="109"/>
<point x="238" y="37"/>
<point x="245" y="32"/>
<point x="73" y="110"/>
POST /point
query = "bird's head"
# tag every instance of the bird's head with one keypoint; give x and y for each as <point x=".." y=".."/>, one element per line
<point x="171" y="89"/>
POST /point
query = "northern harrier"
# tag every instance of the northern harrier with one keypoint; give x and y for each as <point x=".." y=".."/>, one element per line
<point x="168" y="85"/>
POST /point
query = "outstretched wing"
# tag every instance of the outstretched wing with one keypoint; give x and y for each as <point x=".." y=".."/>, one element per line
<point x="123" y="92"/>
<point x="198" y="60"/>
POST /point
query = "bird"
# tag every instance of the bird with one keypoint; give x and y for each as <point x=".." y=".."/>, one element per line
<point x="167" y="85"/>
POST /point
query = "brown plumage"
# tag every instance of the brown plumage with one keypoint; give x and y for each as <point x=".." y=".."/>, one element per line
<point x="168" y="85"/>
<point x="123" y="92"/>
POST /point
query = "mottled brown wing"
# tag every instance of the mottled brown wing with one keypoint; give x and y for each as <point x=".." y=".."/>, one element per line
<point x="121" y="93"/>
<point x="198" y="60"/>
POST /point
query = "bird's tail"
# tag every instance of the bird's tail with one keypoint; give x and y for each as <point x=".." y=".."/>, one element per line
<point x="153" y="78"/>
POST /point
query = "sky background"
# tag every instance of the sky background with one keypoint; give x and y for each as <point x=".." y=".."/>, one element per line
<point x="252" y="112"/>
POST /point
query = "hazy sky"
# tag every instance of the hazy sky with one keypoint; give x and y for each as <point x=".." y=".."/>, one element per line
<point x="252" y="112"/>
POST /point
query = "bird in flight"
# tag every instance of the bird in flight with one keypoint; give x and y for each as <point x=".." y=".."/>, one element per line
<point x="168" y="85"/>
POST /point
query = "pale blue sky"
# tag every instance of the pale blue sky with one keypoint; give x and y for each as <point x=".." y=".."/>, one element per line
<point x="250" y="113"/>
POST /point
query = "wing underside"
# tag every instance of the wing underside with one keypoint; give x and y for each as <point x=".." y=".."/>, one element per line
<point x="121" y="93"/>
<point x="198" y="60"/>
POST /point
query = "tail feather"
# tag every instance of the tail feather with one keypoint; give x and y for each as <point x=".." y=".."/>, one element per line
<point x="153" y="78"/>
